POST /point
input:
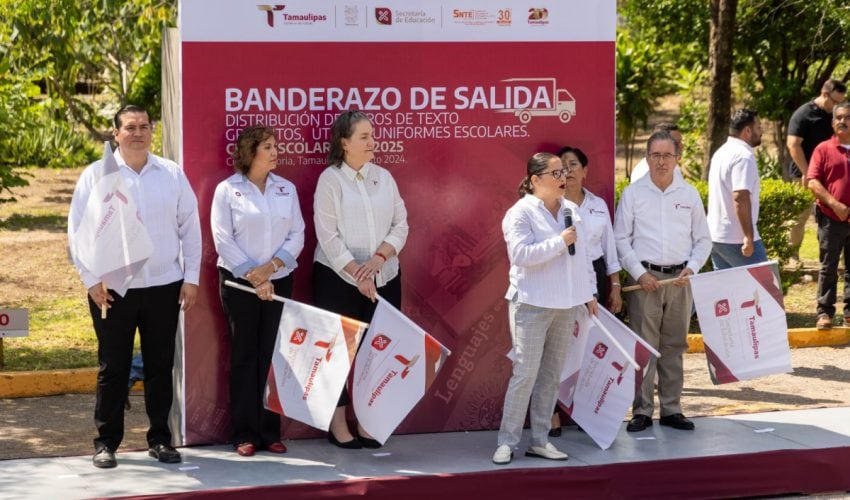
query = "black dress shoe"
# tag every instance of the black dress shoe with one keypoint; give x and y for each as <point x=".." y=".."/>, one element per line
<point x="104" y="459"/>
<point x="556" y="432"/>
<point x="677" y="421"/>
<point x="354" y="444"/>
<point x="639" y="423"/>
<point x="370" y="443"/>
<point x="165" y="454"/>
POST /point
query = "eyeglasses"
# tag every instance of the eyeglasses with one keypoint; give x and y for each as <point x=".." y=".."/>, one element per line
<point x="557" y="174"/>
<point x="656" y="157"/>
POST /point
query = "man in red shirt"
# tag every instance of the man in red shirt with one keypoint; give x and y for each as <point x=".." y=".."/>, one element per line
<point x="829" y="179"/>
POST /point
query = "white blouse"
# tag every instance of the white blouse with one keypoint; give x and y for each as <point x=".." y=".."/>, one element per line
<point x="543" y="273"/>
<point x="250" y="227"/>
<point x="600" y="232"/>
<point x="354" y="212"/>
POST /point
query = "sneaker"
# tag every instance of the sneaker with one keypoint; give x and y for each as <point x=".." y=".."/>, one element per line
<point x="824" y="322"/>
<point x="503" y="455"/>
<point x="548" y="452"/>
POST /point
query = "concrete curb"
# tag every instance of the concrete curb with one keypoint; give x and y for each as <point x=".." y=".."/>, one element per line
<point x="83" y="380"/>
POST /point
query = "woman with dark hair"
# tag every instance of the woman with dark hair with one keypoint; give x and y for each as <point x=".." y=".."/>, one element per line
<point x="361" y="226"/>
<point x="550" y="278"/>
<point x="599" y="238"/>
<point x="258" y="233"/>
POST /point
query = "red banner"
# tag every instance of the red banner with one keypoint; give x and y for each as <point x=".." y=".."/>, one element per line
<point x="456" y="118"/>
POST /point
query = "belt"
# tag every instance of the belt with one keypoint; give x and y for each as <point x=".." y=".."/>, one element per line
<point x="674" y="269"/>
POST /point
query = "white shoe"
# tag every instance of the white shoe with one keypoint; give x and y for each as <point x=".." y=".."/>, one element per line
<point x="503" y="455"/>
<point x="548" y="452"/>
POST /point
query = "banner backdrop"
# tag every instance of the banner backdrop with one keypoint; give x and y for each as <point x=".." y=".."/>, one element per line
<point x="461" y="94"/>
<point x="742" y="317"/>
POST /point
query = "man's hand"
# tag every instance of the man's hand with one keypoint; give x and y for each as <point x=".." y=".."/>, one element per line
<point x="100" y="296"/>
<point x="841" y="210"/>
<point x="648" y="282"/>
<point x="747" y="247"/>
<point x="683" y="277"/>
<point x="188" y="295"/>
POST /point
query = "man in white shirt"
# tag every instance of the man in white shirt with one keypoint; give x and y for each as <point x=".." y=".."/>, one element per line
<point x="661" y="234"/>
<point x="169" y="211"/>
<point x="733" y="195"/>
<point x="642" y="168"/>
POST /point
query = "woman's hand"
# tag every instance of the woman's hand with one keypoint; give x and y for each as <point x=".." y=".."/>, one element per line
<point x="592" y="307"/>
<point x="260" y="274"/>
<point x="569" y="235"/>
<point x="265" y="290"/>
<point x="367" y="288"/>
<point x="369" y="269"/>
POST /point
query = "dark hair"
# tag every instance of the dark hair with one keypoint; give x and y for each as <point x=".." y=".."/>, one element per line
<point x="536" y="165"/>
<point x="662" y="135"/>
<point x="833" y="85"/>
<point x="343" y="128"/>
<point x="740" y="120"/>
<point x="840" y="105"/>
<point x="666" y="127"/>
<point x="130" y="108"/>
<point x="582" y="158"/>
<point x="246" y="146"/>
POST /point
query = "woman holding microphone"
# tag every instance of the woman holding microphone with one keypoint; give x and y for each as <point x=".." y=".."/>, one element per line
<point x="551" y="276"/>
<point x="361" y="226"/>
<point x="258" y="233"/>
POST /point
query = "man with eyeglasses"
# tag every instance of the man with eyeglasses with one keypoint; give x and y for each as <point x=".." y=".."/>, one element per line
<point x="168" y="209"/>
<point x="661" y="234"/>
<point x="733" y="195"/>
<point x="810" y="125"/>
<point x="642" y="168"/>
<point x="829" y="179"/>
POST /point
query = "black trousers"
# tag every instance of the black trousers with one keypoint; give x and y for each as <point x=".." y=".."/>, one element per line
<point x="833" y="239"/>
<point x="154" y="311"/>
<point x="332" y="293"/>
<point x="253" y="325"/>
<point x="603" y="284"/>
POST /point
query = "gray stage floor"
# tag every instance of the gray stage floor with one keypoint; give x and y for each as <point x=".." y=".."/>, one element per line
<point x="215" y="467"/>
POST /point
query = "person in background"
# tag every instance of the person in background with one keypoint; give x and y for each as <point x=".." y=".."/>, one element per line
<point x="599" y="235"/>
<point x="258" y="233"/>
<point x="810" y="125"/>
<point x="733" y="195"/>
<point x="551" y="277"/>
<point x="829" y="180"/>
<point x="361" y="226"/>
<point x="169" y="211"/>
<point x="661" y="234"/>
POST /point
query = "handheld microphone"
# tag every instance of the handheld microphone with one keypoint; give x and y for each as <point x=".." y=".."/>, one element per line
<point x="568" y="223"/>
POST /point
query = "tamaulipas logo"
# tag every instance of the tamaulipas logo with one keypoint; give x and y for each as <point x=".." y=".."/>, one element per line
<point x="327" y="346"/>
<point x="298" y="336"/>
<point x="288" y="18"/>
<point x="408" y="363"/>
<point x="269" y="10"/>
<point x="381" y="341"/>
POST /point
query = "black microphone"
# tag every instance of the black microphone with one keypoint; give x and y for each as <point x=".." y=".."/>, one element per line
<point x="568" y="223"/>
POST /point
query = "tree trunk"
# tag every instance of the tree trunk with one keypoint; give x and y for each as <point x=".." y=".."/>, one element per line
<point x="720" y="58"/>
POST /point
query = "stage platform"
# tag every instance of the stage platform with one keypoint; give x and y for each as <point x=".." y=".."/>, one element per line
<point x="806" y="451"/>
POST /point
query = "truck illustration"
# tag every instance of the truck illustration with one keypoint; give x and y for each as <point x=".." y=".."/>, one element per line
<point x="564" y="103"/>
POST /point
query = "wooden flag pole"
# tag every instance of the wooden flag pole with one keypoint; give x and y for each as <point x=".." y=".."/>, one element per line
<point x="632" y="288"/>
<point x="103" y="307"/>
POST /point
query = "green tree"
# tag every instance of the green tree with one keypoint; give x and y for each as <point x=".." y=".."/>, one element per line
<point x="641" y="80"/>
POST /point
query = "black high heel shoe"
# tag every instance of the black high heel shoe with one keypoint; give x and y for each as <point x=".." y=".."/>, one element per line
<point x="354" y="444"/>
<point x="369" y="443"/>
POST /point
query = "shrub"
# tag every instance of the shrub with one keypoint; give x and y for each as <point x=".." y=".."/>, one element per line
<point x="49" y="143"/>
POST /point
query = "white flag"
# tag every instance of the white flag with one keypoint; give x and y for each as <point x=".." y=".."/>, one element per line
<point x="598" y="383"/>
<point x="312" y="357"/>
<point x="111" y="241"/>
<point x="742" y="317"/>
<point x="394" y="368"/>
